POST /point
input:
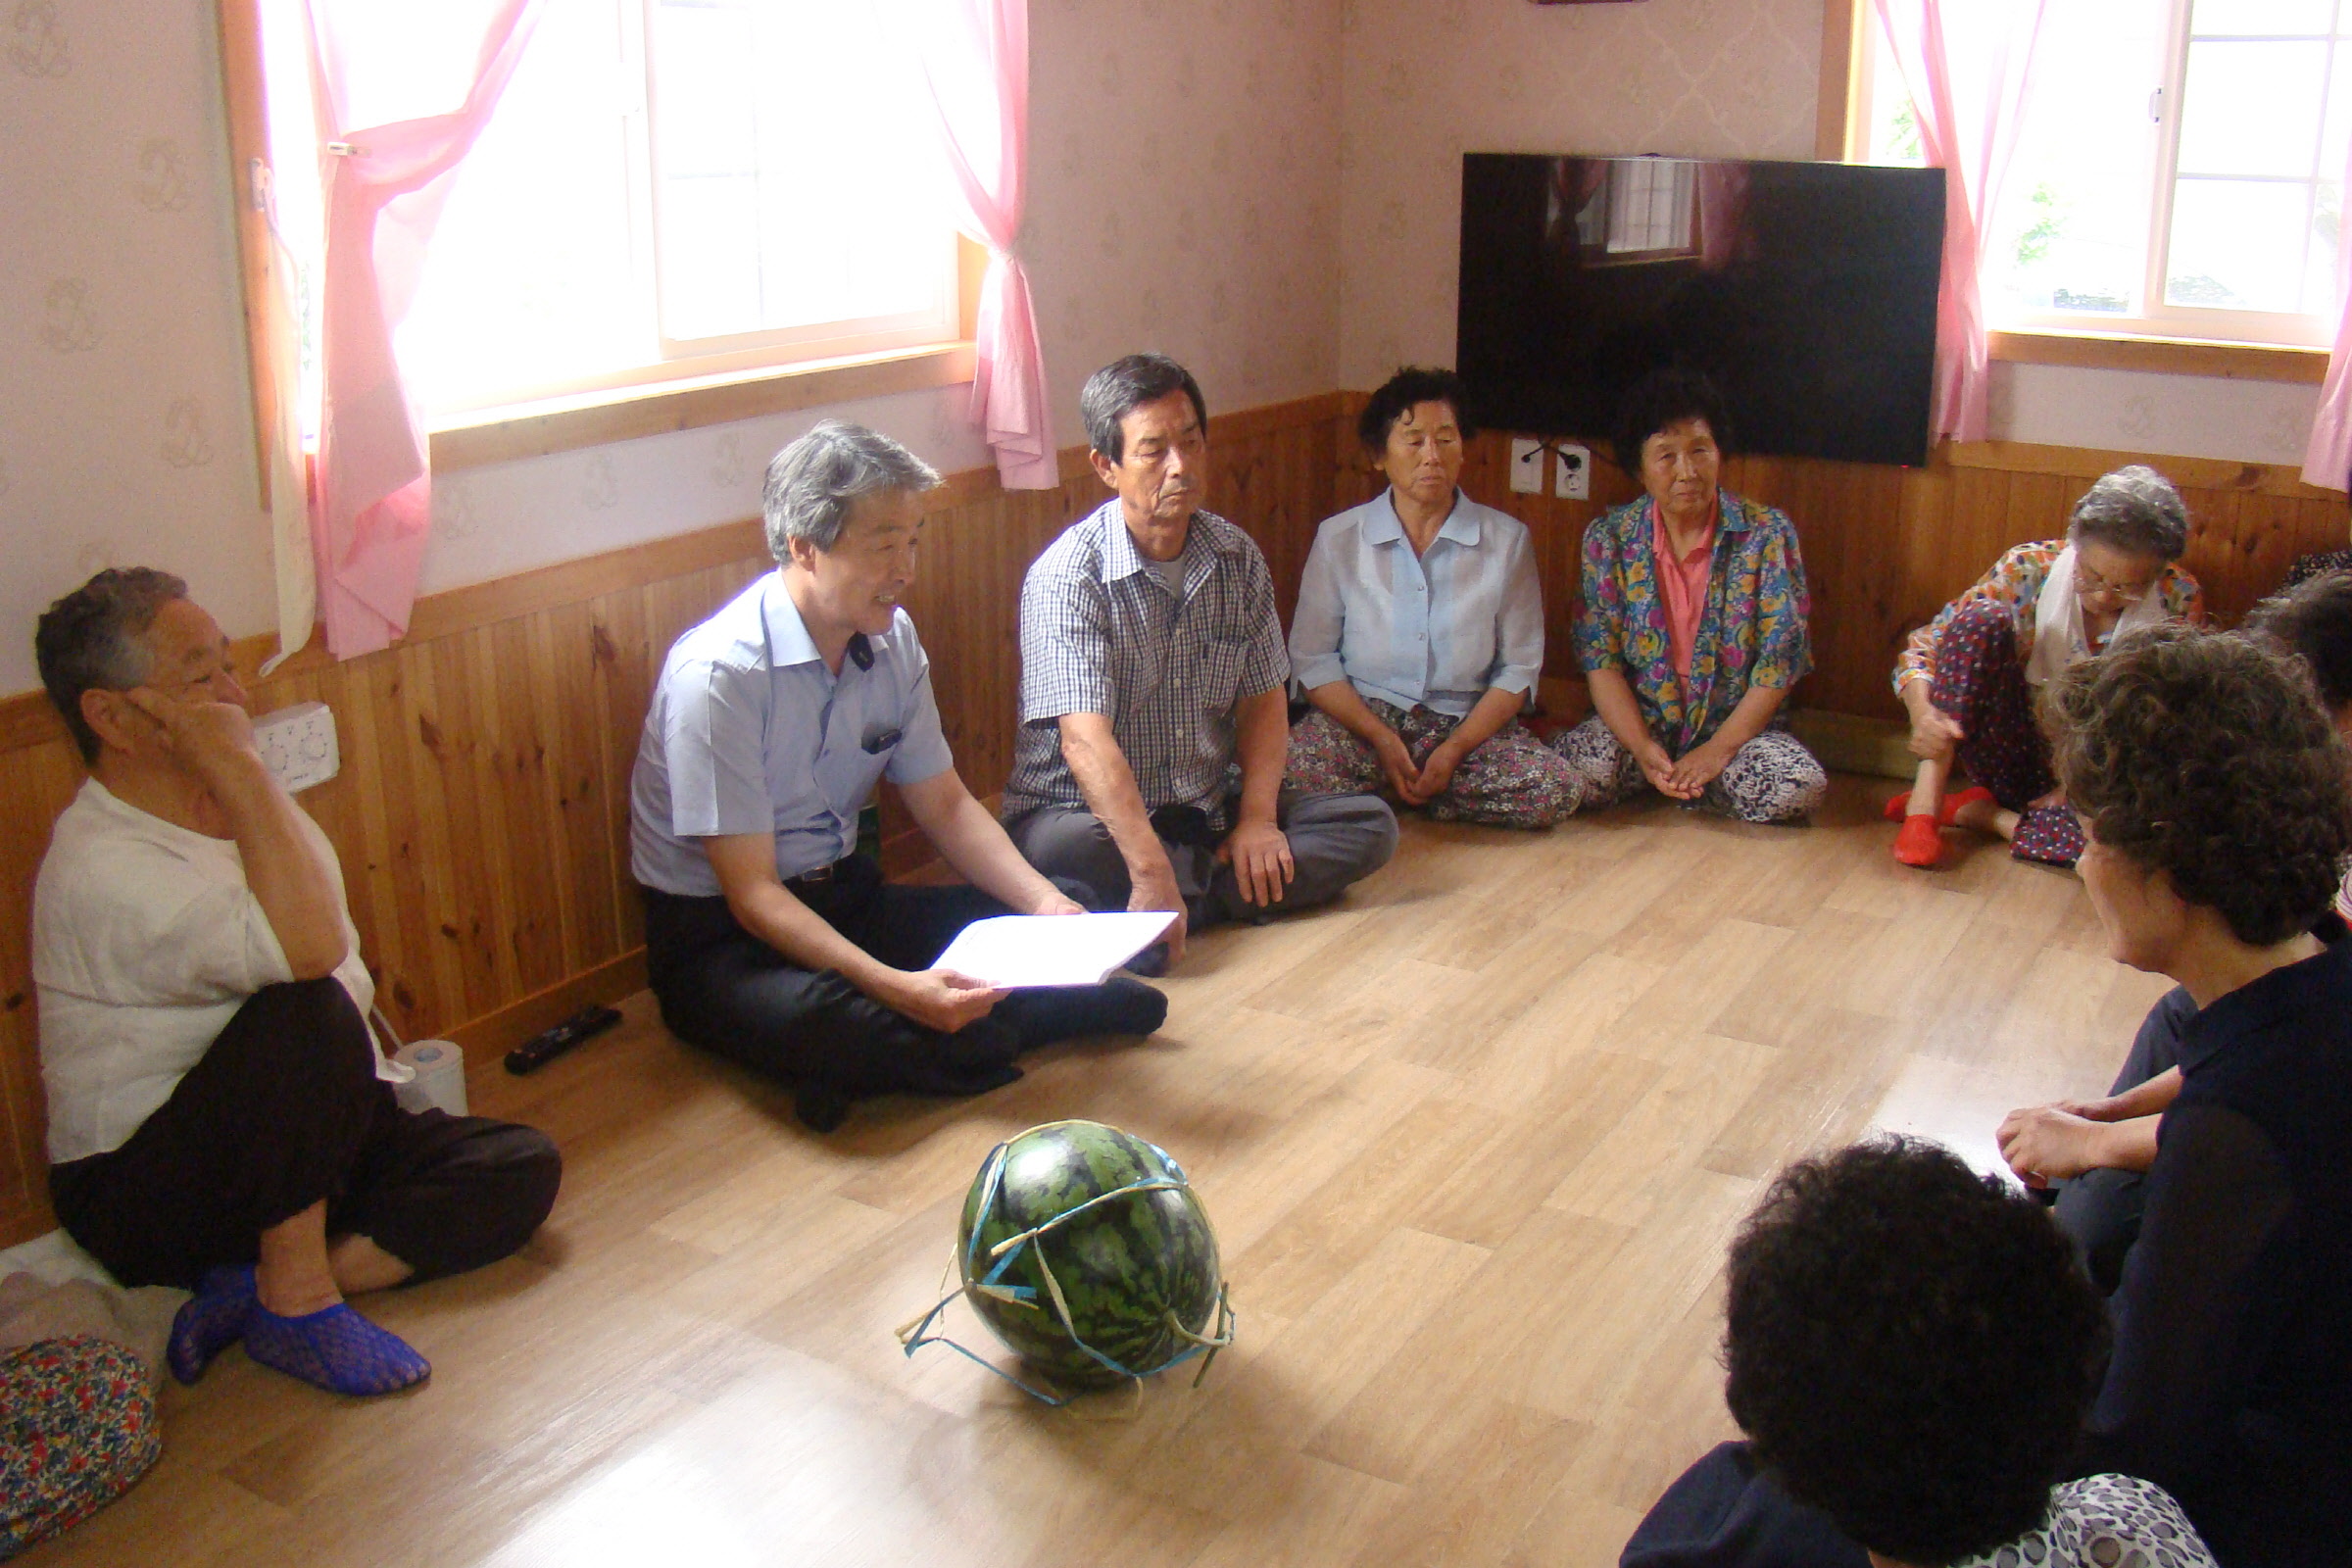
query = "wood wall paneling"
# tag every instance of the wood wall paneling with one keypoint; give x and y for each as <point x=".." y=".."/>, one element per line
<point x="482" y="811"/>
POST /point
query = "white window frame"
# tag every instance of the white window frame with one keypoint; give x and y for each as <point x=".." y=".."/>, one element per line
<point x="2157" y="319"/>
<point x="696" y="383"/>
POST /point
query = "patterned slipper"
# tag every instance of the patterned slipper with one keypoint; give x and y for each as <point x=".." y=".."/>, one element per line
<point x="210" y="1321"/>
<point x="336" y="1349"/>
<point x="1919" y="843"/>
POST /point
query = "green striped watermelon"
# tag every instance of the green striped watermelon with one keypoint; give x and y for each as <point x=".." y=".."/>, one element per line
<point x="1130" y="1268"/>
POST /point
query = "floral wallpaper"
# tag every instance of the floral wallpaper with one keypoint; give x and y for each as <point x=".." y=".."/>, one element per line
<point x="1266" y="188"/>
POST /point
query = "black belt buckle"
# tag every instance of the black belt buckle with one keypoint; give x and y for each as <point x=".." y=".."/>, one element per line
<point x="817" y="878"/>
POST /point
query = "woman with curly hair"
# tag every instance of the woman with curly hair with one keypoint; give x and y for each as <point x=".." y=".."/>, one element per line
<point x="1968" y="677"/>
<point x="2216" y="797"/>
<point x="1911" y="1352"/>
<point x="2096" y="1153"/>
<point x="1693" y="628"/>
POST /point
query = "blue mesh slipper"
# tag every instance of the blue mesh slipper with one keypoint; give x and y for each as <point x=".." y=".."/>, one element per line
<point x="336" y="1349"/>
<point x="210" y="1321"/>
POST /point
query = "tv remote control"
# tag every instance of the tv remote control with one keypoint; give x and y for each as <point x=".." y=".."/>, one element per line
<point x="544" y="1047"/>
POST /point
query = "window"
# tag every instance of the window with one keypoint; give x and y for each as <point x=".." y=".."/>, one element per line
<point x="669" y="189"/>
<point x="2178" y="172"/>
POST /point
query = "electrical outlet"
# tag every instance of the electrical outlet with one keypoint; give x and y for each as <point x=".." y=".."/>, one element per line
<point x="1573" y="481"/>
<point x="1527" y="465"/>
<point x="298" y="745"/>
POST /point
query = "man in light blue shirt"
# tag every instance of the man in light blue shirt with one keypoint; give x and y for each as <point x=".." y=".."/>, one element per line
<point x="769" y="938"/>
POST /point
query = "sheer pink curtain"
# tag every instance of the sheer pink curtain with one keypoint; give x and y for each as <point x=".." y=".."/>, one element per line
<point x="975" y="59"/>
<point x="1966" y="65"/>
<point x="385" y="80"/>
<point x="2327" y="461"/>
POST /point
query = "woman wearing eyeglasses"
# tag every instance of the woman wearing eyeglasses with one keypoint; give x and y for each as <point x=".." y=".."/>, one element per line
<point x="1969" y="676"/>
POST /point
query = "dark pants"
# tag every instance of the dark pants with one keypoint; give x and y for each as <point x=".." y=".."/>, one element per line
<point x="723" y="989"/>
<point x="1981" y="683"/>
<point x="2100" y="1209"/>
<point x="285" y="1110"/>
<point x="1336" y="841"/>
<point x="1726" y="1512"/>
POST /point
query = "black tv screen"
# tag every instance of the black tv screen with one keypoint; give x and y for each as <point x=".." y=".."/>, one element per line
<point x="1808" y="291"/>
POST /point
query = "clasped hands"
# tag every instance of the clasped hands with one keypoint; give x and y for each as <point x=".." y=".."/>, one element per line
<point x="1417" y="784"/>
<point x="2058" y="1141"/>
<point x="1685" y="777"/>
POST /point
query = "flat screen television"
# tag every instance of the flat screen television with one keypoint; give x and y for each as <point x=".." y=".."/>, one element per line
<point x="1808" y="291"/>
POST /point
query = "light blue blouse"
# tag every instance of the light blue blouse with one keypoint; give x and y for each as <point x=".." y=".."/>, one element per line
<point x="1435" y="630"/>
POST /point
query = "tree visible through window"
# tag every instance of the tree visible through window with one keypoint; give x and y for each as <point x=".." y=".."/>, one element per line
<point x="2178" y="171"/>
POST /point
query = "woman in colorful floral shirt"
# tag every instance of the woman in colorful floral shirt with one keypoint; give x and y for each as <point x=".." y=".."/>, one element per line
<point x="1969" y="675"/>
<point x="1694" y="626"/>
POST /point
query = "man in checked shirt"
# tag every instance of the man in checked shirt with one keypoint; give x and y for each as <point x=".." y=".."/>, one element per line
<point x="1154" y="718"/>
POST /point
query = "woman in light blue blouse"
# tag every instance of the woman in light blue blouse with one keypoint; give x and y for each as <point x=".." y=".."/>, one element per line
<point x="1420" y="632"/>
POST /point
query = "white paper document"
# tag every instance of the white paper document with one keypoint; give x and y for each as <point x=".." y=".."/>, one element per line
<point x="1051" y="950"/>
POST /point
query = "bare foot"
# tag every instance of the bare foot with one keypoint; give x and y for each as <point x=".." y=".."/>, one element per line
<point x="1986" y="817"/>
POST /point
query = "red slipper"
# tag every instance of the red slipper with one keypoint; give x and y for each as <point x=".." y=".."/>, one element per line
<point x="1967" y="797"/>
<point x="1899" y="807"/>
<point x="1919" y="843"/>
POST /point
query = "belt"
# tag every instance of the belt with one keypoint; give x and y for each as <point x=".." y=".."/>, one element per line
<point x="820" y="876"/>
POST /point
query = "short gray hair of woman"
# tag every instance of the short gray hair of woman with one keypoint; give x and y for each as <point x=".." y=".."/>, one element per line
<point x="812" y="483"/>
<point x="2135" y="509"/>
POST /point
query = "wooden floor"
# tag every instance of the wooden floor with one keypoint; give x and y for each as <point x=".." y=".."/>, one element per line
<point x="1473" y="1140"/>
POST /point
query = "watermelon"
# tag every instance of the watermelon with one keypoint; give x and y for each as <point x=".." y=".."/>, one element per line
<point x="1137" y="1277"/>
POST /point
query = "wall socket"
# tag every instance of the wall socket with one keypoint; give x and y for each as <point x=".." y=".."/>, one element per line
<point x="1527" y="465"/>
<point x="1573" y="479"/>
<point x="298" y="745"/>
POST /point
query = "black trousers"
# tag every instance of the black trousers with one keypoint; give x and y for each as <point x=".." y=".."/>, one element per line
<point x="723" y="989"/>
<point x="2100" y="1209"/>
<point x="285" y="1110"/>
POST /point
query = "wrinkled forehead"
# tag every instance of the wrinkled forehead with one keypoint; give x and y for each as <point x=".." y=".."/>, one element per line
<point x="184" y="635"/>
<point x="882" y="518"/>
<point x="1171" y="417"/>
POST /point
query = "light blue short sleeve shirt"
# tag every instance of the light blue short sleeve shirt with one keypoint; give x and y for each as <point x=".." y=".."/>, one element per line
<point x="1436" y="630"/>
<point x="749" y="732"/>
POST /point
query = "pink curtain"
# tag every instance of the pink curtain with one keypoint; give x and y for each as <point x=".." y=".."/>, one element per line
<point x="1966" y="65"/>
<point x="2327" y="461"/>
<point x="975" y="59"/>
<point x="392" y="144"/>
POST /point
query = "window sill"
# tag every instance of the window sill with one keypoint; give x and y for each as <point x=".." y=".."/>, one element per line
<point x="595" y="418"/>
<point x="2163" y="356"/>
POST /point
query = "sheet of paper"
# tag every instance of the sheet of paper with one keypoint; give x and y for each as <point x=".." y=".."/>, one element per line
<point x="1051" y="950"/>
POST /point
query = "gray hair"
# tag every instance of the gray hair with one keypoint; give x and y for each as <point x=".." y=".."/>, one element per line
<point x="1124" y="385"/>
<point x="93" y="640"/>
<point x="2135" y="510"/>
<point x="812" y="483"/>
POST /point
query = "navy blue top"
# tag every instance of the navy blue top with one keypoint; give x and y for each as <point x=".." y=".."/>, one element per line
<point x="2230" y="1384"/>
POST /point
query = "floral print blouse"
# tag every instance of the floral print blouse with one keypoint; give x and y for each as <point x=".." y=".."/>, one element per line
<point x="1752" y="633"/>
<point x="2016" y="580"/>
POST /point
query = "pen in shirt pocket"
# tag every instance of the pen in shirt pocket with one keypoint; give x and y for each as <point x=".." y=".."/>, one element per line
<point x="876" y="745"/>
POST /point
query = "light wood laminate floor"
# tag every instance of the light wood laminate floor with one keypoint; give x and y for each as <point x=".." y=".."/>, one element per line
<point x="1473" y="1139"/>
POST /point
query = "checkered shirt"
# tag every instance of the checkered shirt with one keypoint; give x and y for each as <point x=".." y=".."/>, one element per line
<point x="1100" y="633"/>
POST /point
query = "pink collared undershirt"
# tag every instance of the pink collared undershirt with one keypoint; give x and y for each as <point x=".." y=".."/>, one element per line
<point x="1682" y="585"/>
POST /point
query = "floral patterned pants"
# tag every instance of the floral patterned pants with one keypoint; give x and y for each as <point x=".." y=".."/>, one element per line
<point x="1512" y="780"/>
<point x="1981" y="683"/>
<point x="78" y="1426"/>
<point x="1773" y="778"/>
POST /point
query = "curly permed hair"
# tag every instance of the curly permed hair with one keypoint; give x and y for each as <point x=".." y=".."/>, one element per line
<point x="1406" y="390"/>
<point x="2314" y="619"/>
<point x="2206" y="755"/>
<point x="1663" y="398"/>
<point x="1910" y="1347"/>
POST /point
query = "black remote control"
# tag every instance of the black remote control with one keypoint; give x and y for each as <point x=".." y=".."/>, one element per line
<point x="542" y="1048"/>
